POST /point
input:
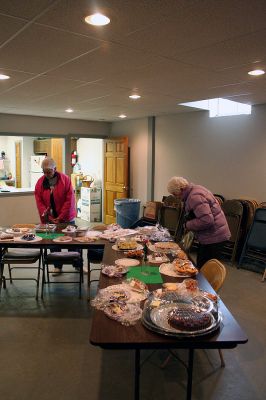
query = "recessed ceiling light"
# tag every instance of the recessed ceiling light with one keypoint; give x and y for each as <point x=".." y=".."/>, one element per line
<point x="97" y="19"/>
<point x="256" y="72"/>
<point x="69" y="110"/>
<point x="3" y="77"/>
<point x="122" y="116"/>
<point x="134" y="96"/>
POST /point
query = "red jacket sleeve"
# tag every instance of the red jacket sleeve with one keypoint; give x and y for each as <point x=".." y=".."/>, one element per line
<point x="69" y="201"/>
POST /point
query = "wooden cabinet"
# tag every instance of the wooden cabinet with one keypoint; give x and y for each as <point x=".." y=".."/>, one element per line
<point x="42" y="146"/>
<point x="52" y="147"/>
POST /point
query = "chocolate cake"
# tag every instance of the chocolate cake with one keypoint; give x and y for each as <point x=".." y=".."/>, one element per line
<point x="188" y="320"/>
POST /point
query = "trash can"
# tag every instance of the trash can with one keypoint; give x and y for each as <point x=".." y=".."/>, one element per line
<point x="127" y="211"/>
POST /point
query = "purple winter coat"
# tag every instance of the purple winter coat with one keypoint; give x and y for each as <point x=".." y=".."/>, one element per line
<point x="209" y="224"/>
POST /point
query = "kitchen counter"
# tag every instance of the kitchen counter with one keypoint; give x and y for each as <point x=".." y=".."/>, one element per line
<point x="10" y="190"/>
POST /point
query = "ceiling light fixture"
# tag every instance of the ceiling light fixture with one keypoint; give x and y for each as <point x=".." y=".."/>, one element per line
<point x="97" y="19"/>
<point x="4" y="77"/>
<point x="256" y="72"/>
<point x="122" y="116"/>
<point x="69" y="110"/>
<point x="134" y="96"/>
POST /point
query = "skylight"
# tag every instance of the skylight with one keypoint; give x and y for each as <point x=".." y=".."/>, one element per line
<point x="220" y="107"/>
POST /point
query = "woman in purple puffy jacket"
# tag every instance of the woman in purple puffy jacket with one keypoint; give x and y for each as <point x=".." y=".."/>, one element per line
<point x="203" y="216"/>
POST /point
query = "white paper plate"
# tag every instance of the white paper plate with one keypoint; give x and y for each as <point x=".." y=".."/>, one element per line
<point x="127" y="262"/>
<point x="57" y="240"/>
<point x="139" y="247"/>
<point x="36" y="239"/>
<point x="93" y="233"/>
<point x="168" y="269"/>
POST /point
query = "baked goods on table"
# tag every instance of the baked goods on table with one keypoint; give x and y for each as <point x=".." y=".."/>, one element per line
<point x="137" y="285"/>
<point x="162" y="246"/>
<point x="126" y="244"/>
<point x="6" y="236"/>
<point x="188" y="320"/>
<point x="114" y="271"/>
<point x="184" y="268"/>
<point x="30" y="226"/>
<point x="181" y="254"/>
<point x="134" y="253"/>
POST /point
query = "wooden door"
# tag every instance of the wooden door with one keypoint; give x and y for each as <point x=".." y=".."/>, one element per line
<point x="115" y="175"/>
<point x="57" y="153"/>
<point x="18" y="164"/>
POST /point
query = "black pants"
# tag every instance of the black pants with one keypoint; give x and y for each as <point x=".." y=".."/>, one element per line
<point x="208" y="251"/>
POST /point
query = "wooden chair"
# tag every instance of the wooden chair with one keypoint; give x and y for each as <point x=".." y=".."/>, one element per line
<point x="215" y="273"/>
<point x="18" y="259"/>
<point x="66" y="258"/>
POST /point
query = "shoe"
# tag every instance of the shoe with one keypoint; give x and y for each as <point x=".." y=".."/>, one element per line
<point x="56" y="271"/>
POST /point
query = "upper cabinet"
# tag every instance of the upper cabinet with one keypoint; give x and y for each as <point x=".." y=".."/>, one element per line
<point x="52" y="148"/>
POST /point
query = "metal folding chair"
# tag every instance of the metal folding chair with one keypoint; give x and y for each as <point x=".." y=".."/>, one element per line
<point x="66" y="258"/>
<point x="19" y="259"/>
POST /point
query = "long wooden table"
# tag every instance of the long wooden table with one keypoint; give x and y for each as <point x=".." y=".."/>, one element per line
<point x="109" y="334"/>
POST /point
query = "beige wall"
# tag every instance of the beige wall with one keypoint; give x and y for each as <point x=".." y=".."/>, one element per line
<point x="137" y="132"/>
<point x="18" y="209"/>
<point x="24" y="124"/>
<point x="225" y="154"/>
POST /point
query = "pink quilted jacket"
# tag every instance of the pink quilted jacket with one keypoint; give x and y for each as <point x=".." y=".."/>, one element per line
<point x="209" y="224"/>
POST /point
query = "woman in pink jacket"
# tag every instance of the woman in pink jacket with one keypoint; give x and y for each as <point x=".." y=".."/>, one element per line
<point x="203" y="216"/>
<point x="55" y="201"/>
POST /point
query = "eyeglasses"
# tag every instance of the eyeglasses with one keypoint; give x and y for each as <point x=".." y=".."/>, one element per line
<point x="48" y="170"/>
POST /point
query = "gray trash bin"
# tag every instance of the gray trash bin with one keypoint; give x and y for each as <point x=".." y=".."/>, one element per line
<point x="127" y="211"/>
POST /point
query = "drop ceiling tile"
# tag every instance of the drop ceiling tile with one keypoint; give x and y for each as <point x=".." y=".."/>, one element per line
<point x="40" y="87"/>
<point x="24" y="9"/>
<point x="16" y="78"/>
<point x="108" y="59"/>
<point x="8" y="27"/>
<point x="231" y="53"/>
<point x="38" y="49"/>
<point x="203" y="24"/>
<point x="126" y="16"/>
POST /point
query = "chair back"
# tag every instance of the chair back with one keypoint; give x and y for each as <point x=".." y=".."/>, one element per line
<point x="215" y="273"/>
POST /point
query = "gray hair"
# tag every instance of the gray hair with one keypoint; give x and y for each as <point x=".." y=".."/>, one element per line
<point x="176" y="184"/>
<point x="48" y="162"/>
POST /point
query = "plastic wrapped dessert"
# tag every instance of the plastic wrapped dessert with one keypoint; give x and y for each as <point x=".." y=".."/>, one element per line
<point x="170" y="313"/>
<point x="126" y="243"/>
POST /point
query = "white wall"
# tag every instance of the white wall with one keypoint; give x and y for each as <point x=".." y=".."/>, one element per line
<point x="226" y="154"/>
<point x="90" y="157"/>
<point x="137" y="132"/>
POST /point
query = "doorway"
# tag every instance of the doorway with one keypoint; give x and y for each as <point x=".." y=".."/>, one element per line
<point x="87" y="179"/>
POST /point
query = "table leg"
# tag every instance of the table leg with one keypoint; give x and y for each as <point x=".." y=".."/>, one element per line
<point x="137" y="373"/>
<point x="190" y="373"/>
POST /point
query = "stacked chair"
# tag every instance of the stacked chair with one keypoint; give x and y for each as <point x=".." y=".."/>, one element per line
<point x="233" y="210"/>
<point x="170" y="217"/>
<point x="255" y="244"/>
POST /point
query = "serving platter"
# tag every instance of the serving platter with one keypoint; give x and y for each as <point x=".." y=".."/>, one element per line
<point x="138" y="247"/>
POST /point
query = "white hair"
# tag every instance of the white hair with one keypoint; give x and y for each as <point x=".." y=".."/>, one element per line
<point x="48" y="162"/>
<point x="176" y="184"/>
